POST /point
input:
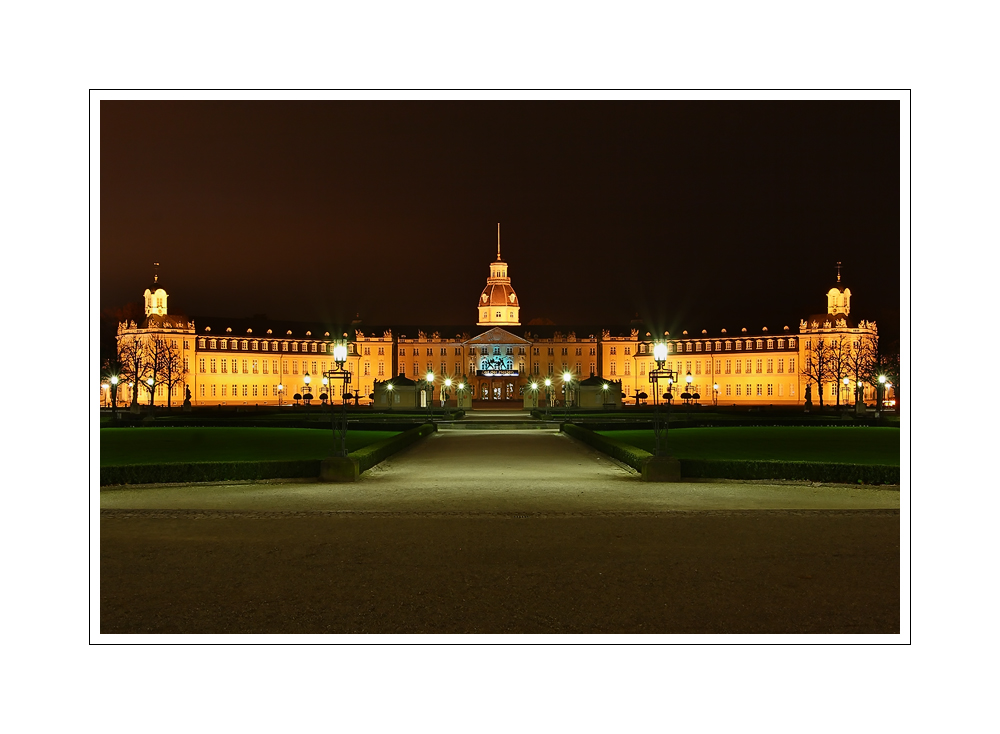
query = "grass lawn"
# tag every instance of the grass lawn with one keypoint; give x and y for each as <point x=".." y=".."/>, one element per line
<point x="185" y="445"/>
<point x="835" y="445"/>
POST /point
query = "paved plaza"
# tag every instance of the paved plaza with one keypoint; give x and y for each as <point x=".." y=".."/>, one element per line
<point x="500" y="531"/>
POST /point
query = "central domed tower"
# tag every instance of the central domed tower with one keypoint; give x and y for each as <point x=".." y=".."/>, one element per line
<point x="498" y="304"/>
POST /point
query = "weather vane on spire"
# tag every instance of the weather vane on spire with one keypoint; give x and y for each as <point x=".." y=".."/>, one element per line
<point x="498" y="241"/>
<point x="156" y="272"/>
<point x="838" y="271"/>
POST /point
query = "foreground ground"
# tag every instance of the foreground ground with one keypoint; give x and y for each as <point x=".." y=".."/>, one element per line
<point x="500" y="532"/>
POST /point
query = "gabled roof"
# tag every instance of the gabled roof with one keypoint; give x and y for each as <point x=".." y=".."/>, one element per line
<point x="496" y="335"/>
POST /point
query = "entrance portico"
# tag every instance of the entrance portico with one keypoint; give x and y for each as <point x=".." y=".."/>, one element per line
<point x="498" y="360"/>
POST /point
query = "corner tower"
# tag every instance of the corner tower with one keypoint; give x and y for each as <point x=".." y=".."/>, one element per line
<point x="154" y="297"/>
<point x="838" y="298"/>
<point x="498" y="304"/>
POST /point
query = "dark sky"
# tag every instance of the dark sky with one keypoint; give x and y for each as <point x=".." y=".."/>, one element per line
<point x="695" y="215"/>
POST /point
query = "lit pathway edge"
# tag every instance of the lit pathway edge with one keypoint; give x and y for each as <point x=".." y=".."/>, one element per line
<point x="499" y="472"/>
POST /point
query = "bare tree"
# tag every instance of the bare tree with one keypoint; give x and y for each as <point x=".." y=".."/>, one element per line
<point x="132" y="354"/>
<point x="156" y="355"/>
<point x="859" y="362"/>
<point x="172" y="370"/>
<point x="840" y="354"/>
<point x="817" y="367"/>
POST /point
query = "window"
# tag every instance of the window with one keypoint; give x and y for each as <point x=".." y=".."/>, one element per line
<point x="718" y="346"/>
<point x="552" y="351"/>
<point x="284" y="346"/>
<point x="402" y="352"/>
<point x="697" y="347"/>
<point x="368" y="368"/>
<point x="255" y="391"/>
<point x="791" y="365"/>
<point x="781" y="345"/>
<point x="402" y="368"/>
<point x="485" y="315"/>
<point x="312" y="347"/>
<point x="579" y="351"/>
<point x="747" y="368"/>
<point x="430" y="352"/>
<point x="244" y="390"/>
<point x="263" y="345"/>
<point x="458" y="352"/>
<point x="295" y="346"/>
<point x="718" y="366"/>
<point x="791" y="344"/>
<point x="213" y="391"/>
<point x="458" y="367"/>
<point x="770" y="343"/>
<point x="628" y="351"/>
<point x="511" y="315"/>
<point x="759" y="393"/>
<point x="729" y="346"/>
<point x="224" y="364"/>
<point x="593" y="369"/>
<point x="203" y="391"/>
<point x="729" y="390"/>
<point x="274" y="366"/>
<point x="738" y="391"/>
<point x="697" y="367"/>
<point x="295" y="367"/>
<point x="536" y="351"/>
<point x="781" y="365"/>
<point x="739" y="362"/>
<point x="201" y="365"/>
<point x="760" y="344"/>
<point x="739" y="346"/>
<point x="628" y="370"/>
<point x="314" y="368"/>
<point x="770" y="389"/>
<point x="381" y="369"/>
<point x="729" y="364"/>
<point x="760" y="364"/>
<point x="612" y="350"/>
<point x="614" y="368"/>
<point x="245" y="370"/>
<point x="264" y="388"/>
<point x="687" y="347"/>
<point x="234" y="366"/>
<point x="770" y="365"/>
<point x="201" y="343"/>
<point x="368" y="351"/>
<point x="593" y="351"/>
<point x="499" y="315"/>
<point x="565" y="351"/>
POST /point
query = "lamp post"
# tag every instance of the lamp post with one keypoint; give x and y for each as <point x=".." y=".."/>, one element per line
<point x="847" y="391"/>
<point x="460" y="389"/>
<point x="429" y="387"/>
<point x="339" y="373"/>
<point x="715" y="395"/>
<point x="688" y="379"/>
<point x="388" y="397"/>
<point x="445" y="396"/>
<point x="150" y="385"/>
<point x="280" y="389"/>
<point x="567" y="386"/>
<point x="307" y="396"/>
<point x="604" y="396"/>
<point x="548" y="397"/>
<point x="114" y="396"/>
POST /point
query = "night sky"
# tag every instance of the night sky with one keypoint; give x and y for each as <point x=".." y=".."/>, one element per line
<point x="692" y="215"/>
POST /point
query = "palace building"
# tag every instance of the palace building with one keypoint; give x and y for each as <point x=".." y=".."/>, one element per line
<point x="254" y="361"/>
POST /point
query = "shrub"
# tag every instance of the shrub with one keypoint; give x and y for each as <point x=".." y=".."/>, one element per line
<point x="372" y="454"/>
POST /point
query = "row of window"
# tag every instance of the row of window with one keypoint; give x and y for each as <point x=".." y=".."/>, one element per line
<point x="261" y="366"/>
<point x="264" y="346"/>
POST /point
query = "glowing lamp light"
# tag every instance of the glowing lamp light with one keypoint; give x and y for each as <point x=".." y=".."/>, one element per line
<point x="430" y="377"/>
<point x="150" y="382"/>
<point x="280" y="387"/>
<point x="881" y="378"/>
<point x="114" y="380"/>
<point x="461" y="386"/>
<point x="689" y="379"/>
<point x="307" y="379"/>
<point x="567" y="377"/>
<point x="534" y="385"/>
<point x="389" y="386"/>
<point x="604" y="386"/>
<point x="104" y="386"/>
<point x="447" y="382"/>
<point x="340" y="353"/>
<point x="660" y="352"/>
<point x="548" y="382"/>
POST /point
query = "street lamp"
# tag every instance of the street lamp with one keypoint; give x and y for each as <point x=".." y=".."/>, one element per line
<point x="688" y="379"/>
<point x="567" y="386"/>
<point x="308" y="395"/>
<point x="604" y="395"/>
<point x="445" y="396"/>
<point x="344" y="376"/>
<point x="660" y="427"/>
<point x="280" y="389"/>
<point x="715" y="396"/>
<point x="461" y="389"/>
<point x="114" y="396"/>
<point x="429" y="387"/>
<point x="548" y="397"/>
<point x="388" y="397"/>
<point x="533" y="386"/>
<point x="847" y="389"/>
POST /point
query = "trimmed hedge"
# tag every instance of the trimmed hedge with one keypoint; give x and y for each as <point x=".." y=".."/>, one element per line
<point x="805" y="470"/>
<point x="743" y="469"/>
<point x="372" y="454"/>
<point x="221" y="471"/>
<point x="624" y="452"/>
<point x="207" y="471"/>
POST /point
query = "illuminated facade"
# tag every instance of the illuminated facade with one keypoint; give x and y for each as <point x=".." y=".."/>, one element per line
<point x="245" y="362"/>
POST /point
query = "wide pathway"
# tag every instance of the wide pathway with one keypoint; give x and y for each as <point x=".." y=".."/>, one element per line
<point x="500" y="471"/>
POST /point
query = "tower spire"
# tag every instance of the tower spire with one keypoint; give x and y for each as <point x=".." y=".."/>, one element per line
<point x="498" y="241"/>
<point x="156" y="272"/>
<point x="838" y="271"/>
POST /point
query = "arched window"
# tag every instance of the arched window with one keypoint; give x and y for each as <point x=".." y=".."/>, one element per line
<point x="499" y="315"/>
